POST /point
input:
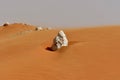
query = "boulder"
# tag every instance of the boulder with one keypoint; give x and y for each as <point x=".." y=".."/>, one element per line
<point x="39" y="28"/>
<point x="59" y="41"/>
<point x="6" y="24"/>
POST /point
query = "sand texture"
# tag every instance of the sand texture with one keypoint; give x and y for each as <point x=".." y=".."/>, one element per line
<point x="92" y="54"/>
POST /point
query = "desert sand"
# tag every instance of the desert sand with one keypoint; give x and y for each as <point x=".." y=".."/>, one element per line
<point x="92" y="54"/>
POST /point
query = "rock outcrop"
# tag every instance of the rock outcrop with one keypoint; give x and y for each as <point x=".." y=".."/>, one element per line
<point x="6" y="24"/>
<point x="59" y="41"/>
<point x="48" y="28"/>
<point x="39" y="28"/>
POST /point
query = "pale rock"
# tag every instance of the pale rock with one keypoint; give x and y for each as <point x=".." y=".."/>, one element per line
<point x="39" y="28"/>
<point x="6" y="24"/>
<point x="59" y="41"/>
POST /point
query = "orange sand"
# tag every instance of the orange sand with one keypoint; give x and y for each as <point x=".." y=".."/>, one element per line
<point x="93" y="54"/>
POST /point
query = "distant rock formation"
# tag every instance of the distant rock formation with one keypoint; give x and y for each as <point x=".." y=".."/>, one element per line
<point x="39" y="28"/>
<point x="48" y="28"/>
<point x="59" y="41"/>
<point x="6" y="24"/>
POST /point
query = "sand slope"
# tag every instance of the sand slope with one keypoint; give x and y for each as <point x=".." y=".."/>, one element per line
<point x="93" y="54"/>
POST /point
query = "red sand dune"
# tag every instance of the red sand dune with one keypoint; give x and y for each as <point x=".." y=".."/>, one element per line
<point x="92" y="54"/>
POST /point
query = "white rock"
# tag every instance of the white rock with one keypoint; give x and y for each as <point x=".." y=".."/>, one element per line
<point x="59" y="41"/>
<point x="6" y="24"/>
<point x="39" y="28"/>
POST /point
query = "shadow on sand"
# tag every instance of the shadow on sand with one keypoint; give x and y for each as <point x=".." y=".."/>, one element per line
<point x="63" y="48"/>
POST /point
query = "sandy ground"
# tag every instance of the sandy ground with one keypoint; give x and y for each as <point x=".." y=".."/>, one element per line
<point x="92" y="54"/>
